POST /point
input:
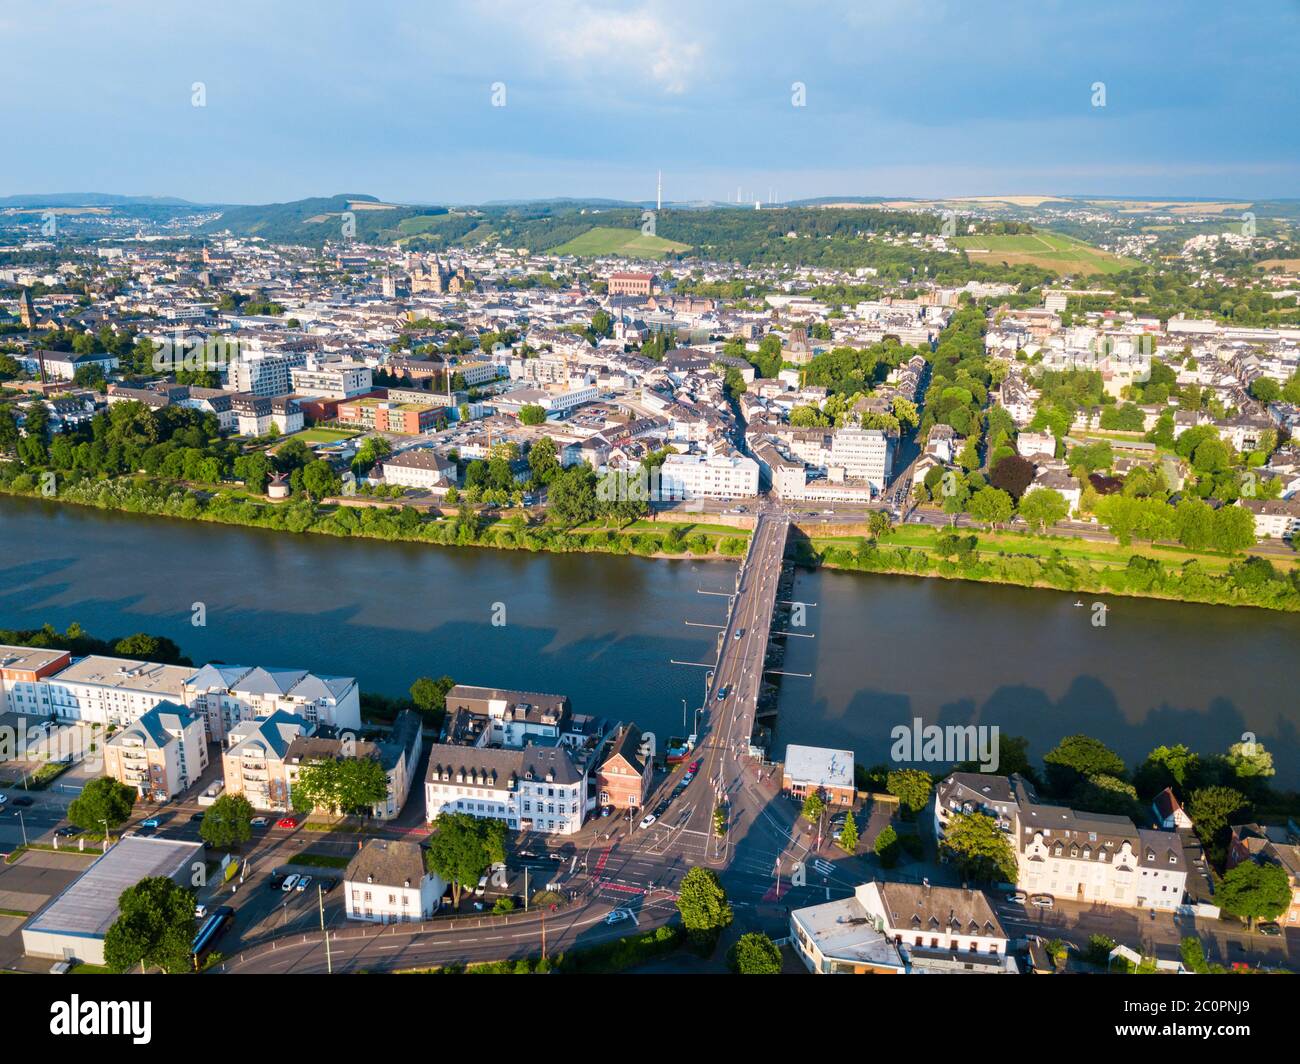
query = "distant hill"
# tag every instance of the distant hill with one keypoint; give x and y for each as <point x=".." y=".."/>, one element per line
<point x="318" y="219"/>
<point x="91" y="199"/>
<point x="608" y="240"/>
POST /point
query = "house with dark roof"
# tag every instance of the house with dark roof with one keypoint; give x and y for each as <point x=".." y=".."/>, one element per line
<point x="536" y="788"/>
<point x="388" y="882"/>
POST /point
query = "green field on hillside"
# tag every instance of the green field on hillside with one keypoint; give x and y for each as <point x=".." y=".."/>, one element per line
<point x="606" y="240"/>
<point x="1051" y="251"/>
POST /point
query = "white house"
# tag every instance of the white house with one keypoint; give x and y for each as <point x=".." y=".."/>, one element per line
<point x="387" y="882"/>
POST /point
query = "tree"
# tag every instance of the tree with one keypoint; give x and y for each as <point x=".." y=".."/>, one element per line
<point x="1166" y="766"/>
<point x="1249" y="761"/>
<point x="320" y="480"/>
<point x="848" y="837"/>
<point x="703" y="903"/>
<point x="755" y="954"/>
<point x="154" y="927"/>
<point x="992" y="506"/>
<point x="886" y="846"/>
<point x="572" y="497"/>
<point x="1212" y="810"/>
<point x="813" y="807"/>
<point x="1013" y="475"/>
<point x="532" y="414"/>
<point x="344" y="784"/>
<point x="1077" y="757"/>
<point x="226" y="823"/>
<point x="1254" y="891"/>
<point x="880" y="523"/>
<point x="979" y="848"/>
<point x="102" y="799"/>
<point x="911" y="786"/>
<point x="430" y="695"/>
<point x="543" y="460"/>
<point x="1044" y="506"/>
<point x="463" y="847"/>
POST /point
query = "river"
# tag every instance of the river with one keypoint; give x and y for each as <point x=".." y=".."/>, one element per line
<point x="601" y="629"/>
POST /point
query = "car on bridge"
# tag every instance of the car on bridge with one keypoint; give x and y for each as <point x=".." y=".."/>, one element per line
<point x="739" y="633"/>
<point x="722" y="693"/>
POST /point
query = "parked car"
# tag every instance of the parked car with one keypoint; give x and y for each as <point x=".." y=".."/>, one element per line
<point x="481" y="889"/>
<point x="649" y="819"/>
<point x="277" y="880"/>
<point x="326" y="885"/>
<point x="152" y="822"/>
<point x="688" y="777"/>
<point x="1043" y="901"/>
<point x="200" y="911"/>
<point x="694" y="766"/>
<point x="1018" y="897"/>
<point x="1272" y="929"/>
<point x="3" y="798"/>
<point x="289" y="882"/>
<point x="196" y="817"/>
<point x="303" y="883"/>
<point x="67" y="831"/>
<point x="24" y="801"/>
<point x="258" y="822"/>
<point x="287" y="822"/>
<point x="605" y="810"/>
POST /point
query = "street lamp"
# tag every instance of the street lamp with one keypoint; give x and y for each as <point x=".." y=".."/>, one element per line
<point x="22" y="824"/>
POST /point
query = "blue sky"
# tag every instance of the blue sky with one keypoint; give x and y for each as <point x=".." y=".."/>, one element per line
<point x="926" y="98"/>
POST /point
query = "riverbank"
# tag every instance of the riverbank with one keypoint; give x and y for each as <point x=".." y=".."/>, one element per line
<point x="1011" y="558"/>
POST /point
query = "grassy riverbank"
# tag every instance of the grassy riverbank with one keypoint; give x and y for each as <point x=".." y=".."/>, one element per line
<point x="1062" y="564"/>
<point x="1018" y="558"/>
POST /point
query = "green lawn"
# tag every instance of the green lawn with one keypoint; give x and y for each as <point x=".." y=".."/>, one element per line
<point x="315" y="436"/>
<point x="607" y="240"/>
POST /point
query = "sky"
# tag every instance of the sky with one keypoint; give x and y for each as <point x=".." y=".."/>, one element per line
<point x="445" y="101"/>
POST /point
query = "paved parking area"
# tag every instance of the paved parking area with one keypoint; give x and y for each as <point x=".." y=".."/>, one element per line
<point x="26" y="885"/>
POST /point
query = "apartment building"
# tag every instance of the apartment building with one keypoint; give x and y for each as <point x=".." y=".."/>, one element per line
<point x="162" y="754"/>
<point x="253" y="762"/>
<point x="996" y="797"/>
<point x="256" y="415"/>
<point x="23" y="672"/>
<point x="939" y="930"/>
<point x="104" y="690"/>
<point x="1095" y="857"/>
<point x="385" y="415"/>
<point x="388" y="882"/>
<point x="492" y="716"/>
<point x="229" y="694"/>
<point x="700" y="476"/>
<point x="630" y="284"/>
<point x="264" y="374"/>
<point x="1274" y="518"/>
<point x="538" y="788"/>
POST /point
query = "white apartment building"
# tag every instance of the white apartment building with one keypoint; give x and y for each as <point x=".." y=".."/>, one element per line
<point x="1274" y="518"/>
<point x="387" y="882"/>
<point x="1093" y="857"/>
<point x="102" y="690"/>
<point x="538" y="788"/>
<point x="255" y="415"/>
<point x="161" y="755"/>
<point x="700" y="476"/>
<point x="23" y="672"/>
<point x="264" y="374"/>
<point x="331" y="380"/>
<point x="229" y="694"/>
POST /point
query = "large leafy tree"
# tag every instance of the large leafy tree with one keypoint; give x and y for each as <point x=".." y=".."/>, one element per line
<point x="1012" y="474"/>
<point x="102" y="799"/>
<point x="1255" y="891"/>
<point x="1077" y="757"/>
<point x="979" y="848"/>
<point x="755" y="954"/>
<point x="226" y="822"/>
<point x="1212" y="810"/>
<point x="154" y="927"/>
<point x="703" y="903"/>
<point x="992" y="506"/>
<point x="463" y="847"/>
<point x="1044" y="506"/>
<point x="340" y="785"/>
<point x="1166" y="766"/>
<point x="911" y="786"/>
<point x="430" y="695"/>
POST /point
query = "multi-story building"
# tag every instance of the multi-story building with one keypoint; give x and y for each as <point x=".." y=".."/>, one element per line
<point x="384" y="415"/>
<point x="252" y="763"/>
<point x="420" y="469"/>
<point x="997" y="797"/>
<point x="939" y="929"/>
<point x="1274" y="518"/>
<point x="538" y="788"/>
<point x="104" y="690"/>
<point x="23" y="672"/>
<point x="1096" y="857"/>
<point x="331" y="380"/>
<point x="700" y="476"/>
<point x="630" y="284"/>
<point x="264" y="374"/>
<point x="491" y="716"/>
<point x="625" y="775"/>
<point x="161" y="755"/>
<point x="229" y="694"/>
<point x="255" y="415"/>
<point x="388" y="882"/>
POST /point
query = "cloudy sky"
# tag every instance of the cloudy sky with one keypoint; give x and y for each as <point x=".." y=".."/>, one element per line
<point x="396" y="99"/>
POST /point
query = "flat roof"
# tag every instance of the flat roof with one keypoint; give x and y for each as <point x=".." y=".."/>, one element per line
<point x="820" y="765"/>
<point x="843" y="931"/>
<point x="126" y="673"/>
<point x="30" y="659"/>
<point x="88" y="906"/>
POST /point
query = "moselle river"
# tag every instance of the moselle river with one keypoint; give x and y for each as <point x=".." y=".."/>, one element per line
<point x="601" y="629"/>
